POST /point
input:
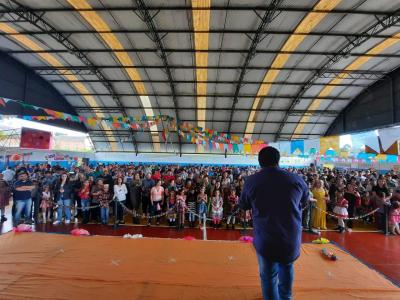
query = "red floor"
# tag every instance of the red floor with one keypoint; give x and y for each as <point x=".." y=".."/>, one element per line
<point x="378" y="251"/>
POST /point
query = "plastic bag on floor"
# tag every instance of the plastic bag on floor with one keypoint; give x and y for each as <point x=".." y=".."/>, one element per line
<point x="132" y="236"/>
<point x="79" y="231"/>
<point x="23" y="228"/>
<point x="246" y="239"/>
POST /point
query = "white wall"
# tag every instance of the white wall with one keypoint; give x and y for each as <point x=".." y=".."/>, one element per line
<point x="108" y="157"/>
<point x="192" y="159"/>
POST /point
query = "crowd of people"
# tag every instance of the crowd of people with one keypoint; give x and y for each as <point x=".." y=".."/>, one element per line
<point x="189" y="195"/>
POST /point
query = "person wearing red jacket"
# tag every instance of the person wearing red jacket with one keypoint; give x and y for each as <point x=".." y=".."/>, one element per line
<point x="84" y="195"/>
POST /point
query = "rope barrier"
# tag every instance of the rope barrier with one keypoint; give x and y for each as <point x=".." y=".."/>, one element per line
<point x="171" y="209"/>
<point x="73" y="207"/>
<point x="351" y="218"/>
<point x="145" y="216"/>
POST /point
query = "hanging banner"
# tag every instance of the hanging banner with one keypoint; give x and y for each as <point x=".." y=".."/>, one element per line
<point x="388" y="137"/>
<point x="35" y="139"/>
<point x="363" y="139"/>
<point x="284" y="148"/>
<point x="329" y="145"/>
<point x="136" y="123"/>
<point x="311" y="147"/>
<point x="297" y="147"/>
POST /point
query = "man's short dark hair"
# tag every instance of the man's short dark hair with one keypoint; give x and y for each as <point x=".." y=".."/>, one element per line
<point x="269" y="157"/>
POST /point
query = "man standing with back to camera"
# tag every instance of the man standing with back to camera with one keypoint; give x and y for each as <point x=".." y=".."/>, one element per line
<point x="276" y="197"/>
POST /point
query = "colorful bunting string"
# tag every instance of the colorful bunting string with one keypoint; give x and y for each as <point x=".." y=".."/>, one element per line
<point x="136" y="123"/>
<point x="214" y="135"/>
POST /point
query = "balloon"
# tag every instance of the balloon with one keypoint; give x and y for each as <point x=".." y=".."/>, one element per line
<point x="23" y="228"/>
<point x="15" y="157"/>
<point x="246" y="239"/>
<point x="79" y="231"/>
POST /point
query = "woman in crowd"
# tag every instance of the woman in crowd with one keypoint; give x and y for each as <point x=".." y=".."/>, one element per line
<point x="181" y="208"/>
<point x="78" y="183"/>
<point x="321" y="195"/>
<point x="96" y="190"/>
<point x="171" y="202"/>
<point x="63" y="191"/>
<point x="191" y="201"/>
<point x="156" y="198"/>
<point x="233" y="201"/>
<point x="217" y="203"/>
<point x="135" y="195"/>
<point x="354" y="200"/>
<point x="120" y="192"/>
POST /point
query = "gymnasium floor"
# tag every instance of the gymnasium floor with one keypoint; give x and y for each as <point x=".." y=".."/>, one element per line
<point x="374" y="249"/>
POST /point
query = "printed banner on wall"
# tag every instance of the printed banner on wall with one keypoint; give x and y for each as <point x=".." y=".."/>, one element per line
<point x="388" y="137"/>
<point x="35" y="139"/>
<point x="297" y="147"/>
<point x="360" y="140"/>
<point x="284" y="148"/>
<point x="329" y="145"/>
<point x="311" y="147"/>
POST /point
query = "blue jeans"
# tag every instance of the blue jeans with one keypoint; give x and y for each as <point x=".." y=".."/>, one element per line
<point x="64" y="205"/>
<point x="22" y="206"/>
<point x="276" y="279"/>
<point x="202" y="211"/>
<point x="85" y="204"/>
<point x="104" y="212"/>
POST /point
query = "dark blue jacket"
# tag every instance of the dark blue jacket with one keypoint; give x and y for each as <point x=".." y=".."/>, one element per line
<point x="22" y="195"/>
<point x="276" y="197"/>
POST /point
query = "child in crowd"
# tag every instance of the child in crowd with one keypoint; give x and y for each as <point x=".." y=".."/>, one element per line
<point x="340" y="211"/>
<point x="394" y="218"/>
<point x="105" y="197"/>
<point x="202" y="205"/>
<point x="245" y="218"/>
<point x="171" y="202"/>
<point x="181" y="209"/>
<point x="84" y="195"/>
<point x="217" y="209"/>
<point x="46" y="203"/>
<point x="233" y="201"/>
